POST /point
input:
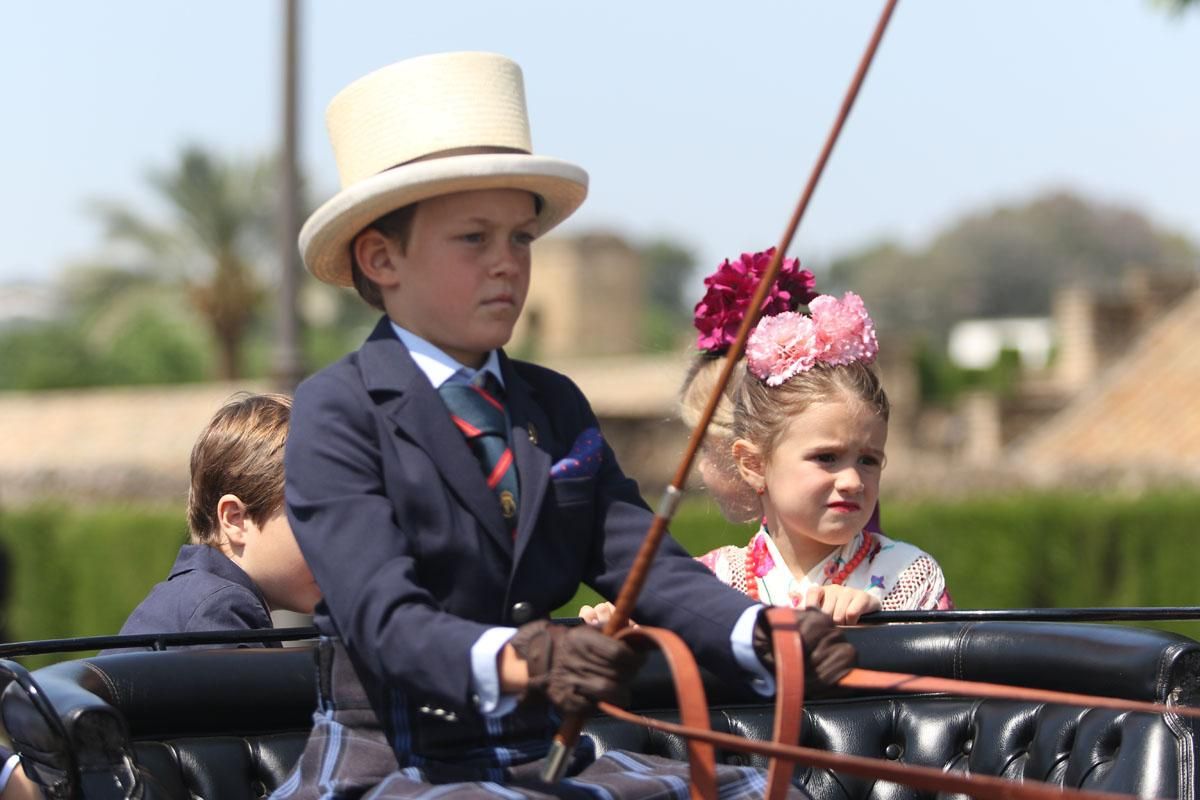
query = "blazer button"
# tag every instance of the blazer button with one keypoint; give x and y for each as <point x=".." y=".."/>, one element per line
<point x="522" y="612"/>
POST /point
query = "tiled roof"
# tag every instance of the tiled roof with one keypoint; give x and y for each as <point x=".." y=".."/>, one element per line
<point x="134" y="442"/>
<point x="114" y="442"/>
<point x="1142" y="413"/>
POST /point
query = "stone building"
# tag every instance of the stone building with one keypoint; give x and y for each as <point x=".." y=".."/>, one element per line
<point x="1139" y="415"/>
<point x="585" y="298"/>
<point x="1123" y="365"/>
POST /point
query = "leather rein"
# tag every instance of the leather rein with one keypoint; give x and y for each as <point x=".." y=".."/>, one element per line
<point x="568" y="733"/>
<point x="784" y="752"/>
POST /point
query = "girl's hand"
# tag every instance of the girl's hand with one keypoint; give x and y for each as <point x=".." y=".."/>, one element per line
<point x="842" y="603"/>
<point x="597" y="616"/>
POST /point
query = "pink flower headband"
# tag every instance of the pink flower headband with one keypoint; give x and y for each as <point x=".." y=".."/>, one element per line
<point x="721" y="311"/>
<point x="838" y="332"/>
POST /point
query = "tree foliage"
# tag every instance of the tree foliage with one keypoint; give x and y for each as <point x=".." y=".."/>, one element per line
<point x="1007" y="262"/>
<point x="668" y="267"/>
<point x="216" y="234"/>
<point x="1177" y="6"/>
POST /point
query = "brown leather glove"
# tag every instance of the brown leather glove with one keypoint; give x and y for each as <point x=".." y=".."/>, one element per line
<point x="575" y="668"/>
<point x="827" y="654"/>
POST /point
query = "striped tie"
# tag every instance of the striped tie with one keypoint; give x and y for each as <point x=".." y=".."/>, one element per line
<point x="477" y="409"/>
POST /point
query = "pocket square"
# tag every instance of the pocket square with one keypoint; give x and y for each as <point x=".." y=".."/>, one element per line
<point x="584" y="459"/>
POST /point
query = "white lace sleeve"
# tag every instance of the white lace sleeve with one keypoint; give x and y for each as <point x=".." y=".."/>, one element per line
<point x="921" y="586"/>
<point x="728" y="563"/>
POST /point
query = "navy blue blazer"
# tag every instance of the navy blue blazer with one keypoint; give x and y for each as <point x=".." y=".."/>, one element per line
<point x="204" y="591"/>
<point x="408" y="545"/>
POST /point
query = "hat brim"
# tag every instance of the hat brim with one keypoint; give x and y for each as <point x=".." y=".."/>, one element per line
<point x="326" y="236"/>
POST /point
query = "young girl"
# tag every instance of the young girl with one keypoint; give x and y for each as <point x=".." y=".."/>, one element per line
<point x="811" y="425"/>
<point x="717" y="318"/>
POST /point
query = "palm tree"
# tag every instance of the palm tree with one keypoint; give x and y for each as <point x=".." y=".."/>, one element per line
<point x="219" y="228"/>
<point x="1177" y="6"/>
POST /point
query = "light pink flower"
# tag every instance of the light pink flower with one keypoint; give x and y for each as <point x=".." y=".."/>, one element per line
<point x="838" y="332"/>
<point x="781" y="346"/>
<point x="844" y="329"/>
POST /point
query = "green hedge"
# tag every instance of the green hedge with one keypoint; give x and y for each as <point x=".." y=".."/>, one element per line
<point x="79" y="572"/>
<point x="1028" y="551"/>
<point x="76" y="572"/>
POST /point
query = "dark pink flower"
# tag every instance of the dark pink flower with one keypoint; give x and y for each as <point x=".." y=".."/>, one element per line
<point x="720" y="312"/>
<point x="761" y="562"/>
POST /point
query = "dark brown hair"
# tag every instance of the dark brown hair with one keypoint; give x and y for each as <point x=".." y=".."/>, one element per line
<point x="761" y="413"/>
<point x="395" y="225"/>
<point x="239" y="452"/>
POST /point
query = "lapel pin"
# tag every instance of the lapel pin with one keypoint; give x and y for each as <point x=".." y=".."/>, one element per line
<point x="508" y="504"/>
<point x="533" y="438"/>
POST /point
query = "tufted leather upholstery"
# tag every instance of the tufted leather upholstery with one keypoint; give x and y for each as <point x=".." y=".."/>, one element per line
<point x="226" y="725"/>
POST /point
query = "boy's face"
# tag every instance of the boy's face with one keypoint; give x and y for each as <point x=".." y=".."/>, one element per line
<point x="272" y="559"/>
<point x="461" y="281"/>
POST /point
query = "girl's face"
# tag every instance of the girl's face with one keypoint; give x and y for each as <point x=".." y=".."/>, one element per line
<point x="822" y="480"/>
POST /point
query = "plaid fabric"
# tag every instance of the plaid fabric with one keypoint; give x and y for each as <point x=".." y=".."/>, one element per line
<point x="347" y="752"/>
<point x="348" y="756"/>
<point x="613" y="776"/>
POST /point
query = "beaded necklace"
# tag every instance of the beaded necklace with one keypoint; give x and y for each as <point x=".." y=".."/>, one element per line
<point x="838" y="578"/>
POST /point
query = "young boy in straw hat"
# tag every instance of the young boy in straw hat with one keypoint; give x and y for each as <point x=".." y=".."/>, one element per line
<point x="447" y="497"/>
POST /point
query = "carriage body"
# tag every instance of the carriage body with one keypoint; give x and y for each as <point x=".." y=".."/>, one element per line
<point x="230" y="723"/>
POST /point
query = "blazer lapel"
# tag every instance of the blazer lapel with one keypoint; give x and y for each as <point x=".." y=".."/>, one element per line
<point x="405" y="395"/>
<point x="531" y="440"/>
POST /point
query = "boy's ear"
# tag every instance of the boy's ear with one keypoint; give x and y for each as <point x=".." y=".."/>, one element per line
<point x="750" y="466"/>
<point x="376" y="255"/>
<point x="232" y="519"/>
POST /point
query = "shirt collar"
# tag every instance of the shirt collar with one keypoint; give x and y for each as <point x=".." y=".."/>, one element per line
<point x="440" y="367"/>
<point x="206" y="558"/>
<point x="781" y="583"/>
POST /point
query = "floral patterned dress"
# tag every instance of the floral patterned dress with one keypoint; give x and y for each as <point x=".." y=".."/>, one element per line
<point x="903" y="577"/>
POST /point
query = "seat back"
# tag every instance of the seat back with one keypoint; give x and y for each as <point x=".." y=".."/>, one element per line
<point x="230" y="723"/>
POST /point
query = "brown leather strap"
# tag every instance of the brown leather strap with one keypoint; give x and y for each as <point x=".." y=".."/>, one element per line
<point x="985" y="787"/>
<point x="693" y="703"/>
<point x="789" y="696"/>
<point x="920" y="684"/>
<point x="784" y="751"/>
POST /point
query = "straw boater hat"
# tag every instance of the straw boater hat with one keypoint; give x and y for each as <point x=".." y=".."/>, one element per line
<point x="425" y="127"/>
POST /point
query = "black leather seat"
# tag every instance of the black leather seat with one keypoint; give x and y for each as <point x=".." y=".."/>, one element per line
<point x="229" y="724"/>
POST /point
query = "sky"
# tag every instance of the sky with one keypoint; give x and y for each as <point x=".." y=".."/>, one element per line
<point x="697" y="120"/>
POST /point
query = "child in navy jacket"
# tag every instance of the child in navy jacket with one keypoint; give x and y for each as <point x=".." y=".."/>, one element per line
<point x="243" y="560"/>
<point x="449" y="498"/>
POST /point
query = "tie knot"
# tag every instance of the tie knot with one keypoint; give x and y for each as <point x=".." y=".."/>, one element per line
<point x="477" y="404"/>
<point x="486" y="381"/>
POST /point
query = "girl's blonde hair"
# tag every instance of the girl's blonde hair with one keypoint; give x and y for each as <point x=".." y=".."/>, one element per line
<point x="761" y="413"/>
<point x="698" y="386"/>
